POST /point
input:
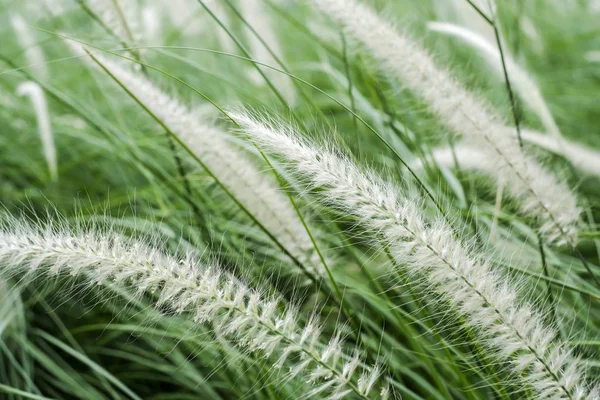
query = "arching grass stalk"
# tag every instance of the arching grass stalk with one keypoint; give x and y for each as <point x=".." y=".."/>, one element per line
<point x="121" y="18"/>
<point x="257" y="322"/>
<point x="584" y="158"/>
<point x="38" y="100"/>
<point x="254" y="192"/>
<point x="34" y="54"/>
<point x="227" y="164"/>
<point x="265" y="43"/>
<point x="539" y="193"/>
<point x="429" y="250"/>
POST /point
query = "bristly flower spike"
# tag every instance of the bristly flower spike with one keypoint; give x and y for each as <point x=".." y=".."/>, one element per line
<point x="36" y="95"/>
<point x="539" y="194"/>
<point x="428" y="248"/>
<point x="258" y="192"/>
<point x="257" y="322"/>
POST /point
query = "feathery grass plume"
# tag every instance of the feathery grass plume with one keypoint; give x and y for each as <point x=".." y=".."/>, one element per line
<point x="38" y="101"/>
<point x="33" y="52"/>
<point x="257" y="322"/>
<point x="471" y="158"/>
<point x="259" y="192"/>
<point x="428" y="248"/>
<point x="152" y="23"/>
<point x="592" y="56"/>
<point x="540" y="194"/>
<point x="467" y="157"/>
<point x="520" y="80"/>
<point x="581" y="156"/>
<point x="122" y="18"/>
<point x="531" y="33"/>
<point x="55" y="7"/>
<point x="257" y="16"/>
<point x="467" y="15"/>
<point x="9" y="306"/>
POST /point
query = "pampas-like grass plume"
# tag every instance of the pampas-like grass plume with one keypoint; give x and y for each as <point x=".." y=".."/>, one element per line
<point x="258" y="17"/>
<point x="258" y="192"/>
<point x="121" y="17"/>
<point x="33" y="52"/>
<point x="540" y="194"/>
<point x="257" y="323"/>
<point x="471" y="158"/>
<point x="38" y="101"/>
<point x="522" y="82"/>
<point x="428" y="249"/>
<point x="152" y="23"/>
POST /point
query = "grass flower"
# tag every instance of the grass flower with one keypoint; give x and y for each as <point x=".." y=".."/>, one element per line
<point x="469" y="157"/>
<point x="123" y="20"/>
<point x="33" y="52"/>
<point x="539" y="193"/>
<point x="257" y="16"/>
<point x="152" y="23"/>
<point x="522" y="82"/>
<point x="36" y="95"/>
<point x="195" y="273"/>
<point x="258" y="192"/>
<point x="121" y="17"/>
<point x="258" y="323"/>
<point x="427" y="247"/>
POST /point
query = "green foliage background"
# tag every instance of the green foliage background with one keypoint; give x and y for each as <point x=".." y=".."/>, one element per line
<point x="116" y="167"/>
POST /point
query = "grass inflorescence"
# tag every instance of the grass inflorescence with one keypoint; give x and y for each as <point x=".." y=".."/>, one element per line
<point x="305" y="199"/>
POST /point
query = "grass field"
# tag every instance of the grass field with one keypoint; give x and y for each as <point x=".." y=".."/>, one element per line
<point x="299" y="199"/>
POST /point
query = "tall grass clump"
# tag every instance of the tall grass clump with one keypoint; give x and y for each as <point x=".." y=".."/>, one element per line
<point x="257" y="322"/>
<point x="539" y="193"/>
<point x="427" y="247"/>
<point x="38" y="101"/>
<point x="255" y="191"/>
<point x="121" y="19"/>
<point x="33" y="53"/>
<point x="279" y="199"/>
<point x="522" y="82"/>
<point x="469" y="157"/>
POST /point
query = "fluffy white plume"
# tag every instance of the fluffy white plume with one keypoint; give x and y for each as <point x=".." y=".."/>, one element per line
<point x="427" y="247"/>
<point x="122" y="17"/>
<point x="258" y="323"/>
<point x="257" y="191"/>
<point x="539" y="193"/>
<point x="36" y="95"/>
<point x="582" y="157"/>
<point x="56" y="7"/>
<point x="532" y="34"/>
<point x="521" y="81"/>
<point x="151" y="18"/>
<point x="593" y="56"/>
<point x="258" y="17"/>
<point x="33" y="52"/>
<point x="466" y="15"/>
<point x="469" y="157"/>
